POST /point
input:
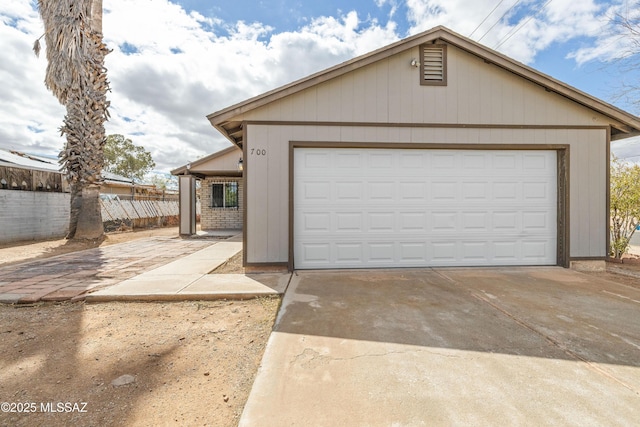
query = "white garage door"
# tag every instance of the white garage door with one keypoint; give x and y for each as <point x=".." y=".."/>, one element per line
<point x="365" y="208"/>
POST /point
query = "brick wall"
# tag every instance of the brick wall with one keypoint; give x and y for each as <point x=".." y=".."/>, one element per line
<point x="220" y="218"/>
<point x="31" y="215"/>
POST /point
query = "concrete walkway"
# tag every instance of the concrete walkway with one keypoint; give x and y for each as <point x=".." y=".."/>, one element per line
<point x="157" y="268"/>
<point x="188" y="278"/>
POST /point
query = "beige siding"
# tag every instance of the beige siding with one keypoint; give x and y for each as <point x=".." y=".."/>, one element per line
<point x="268" y="179"/>
<point x="224" y="162"/>
<point x="389" y="91"/>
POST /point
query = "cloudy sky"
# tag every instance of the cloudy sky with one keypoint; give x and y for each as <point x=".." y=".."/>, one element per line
<point x="174" y="62"/>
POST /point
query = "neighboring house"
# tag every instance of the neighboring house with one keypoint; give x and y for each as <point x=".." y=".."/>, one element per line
<point x="20" y="171"/>
<point x="116" y="185"/>
<point x="221" y="195"/>
<point x="34" y="198"/>
<point x="432" y="151"/>
<point x="127" y="189"/>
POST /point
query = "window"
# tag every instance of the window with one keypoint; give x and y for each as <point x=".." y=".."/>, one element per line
<point x="224" y="195"/>
<point x="433" y="64"/>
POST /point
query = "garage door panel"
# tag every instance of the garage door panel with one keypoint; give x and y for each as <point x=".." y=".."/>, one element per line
<point x="476" y="190"/>
<point x="381" y="221"/>
<point x="413" y="161"/>
<point x="420" y="254"/>
<point x="443" y="251"/>
<point x="349" y="222"/>
<point x="535" y="249"/>
<point x="316" y="190"/>
<point x="413" y="208"/>
<point x="506" y="190"/>
<point x="475" y="221"/>
<point x="412" y="191"/>
<point x="535" y="161"/>
<point x="381" y="252"/>
<point x="349" y="190"/>
<point x="445" y="223"/>
<point x="536" y="191"/>
<point x="413" y="252"/>
<point x="316" y="160"/>
<point x="474" y="160"/>
<point x="443" y="160"/>
<point x="444" y="190"/>
<point x="379" y="191"/>
<point x="476" y="252"/>
<point x="507" y="221"/>
<point x="537" y="221"/>
<point x="381" y="160"/>
<point x="349" y="253"/>
<point x="348" y="161"/>
<point x="316" y="253"/>
<point x="506" y="251"/>
<point x="412" y="222"/>
<point x="316" y="221"/>
<point x="503" y="161"/>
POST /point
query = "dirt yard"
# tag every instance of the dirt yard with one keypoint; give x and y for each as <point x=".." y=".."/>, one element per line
<point x="134" y="364"/>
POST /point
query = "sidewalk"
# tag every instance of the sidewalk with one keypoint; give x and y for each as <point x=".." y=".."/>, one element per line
<point x="156" y="268"/>
<point x="188" y="278"/>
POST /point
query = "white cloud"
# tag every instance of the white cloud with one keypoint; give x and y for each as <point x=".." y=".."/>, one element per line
<point x="29" y="115"/>
<point x="168" y="70"/>
<point x="393" y="6"/>
<point x="627" y="149"/>
<point x="611" y="41"/>
<point x="520" y="29"/>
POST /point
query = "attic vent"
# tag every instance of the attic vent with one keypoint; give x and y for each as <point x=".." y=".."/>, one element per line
<point x="433" y="64"/>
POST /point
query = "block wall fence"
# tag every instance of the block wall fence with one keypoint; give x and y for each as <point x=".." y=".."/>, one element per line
<point x="32" y="215"/>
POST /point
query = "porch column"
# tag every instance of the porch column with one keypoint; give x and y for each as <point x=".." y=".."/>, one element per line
<point x="187" y="192"/>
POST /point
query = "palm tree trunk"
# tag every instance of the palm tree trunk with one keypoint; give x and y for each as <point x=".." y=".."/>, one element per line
<point x="77" y="77"/>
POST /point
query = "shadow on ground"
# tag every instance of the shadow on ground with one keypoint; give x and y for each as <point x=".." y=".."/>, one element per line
<point x="538" y="312"/>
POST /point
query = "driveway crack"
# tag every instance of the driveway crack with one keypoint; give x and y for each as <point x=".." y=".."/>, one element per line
<point x="592" y="365"/>
<point x="310" y="358"/>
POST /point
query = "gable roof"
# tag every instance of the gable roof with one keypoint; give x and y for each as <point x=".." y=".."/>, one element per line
<point x="223" y="120"/>
<point x="207" y="166"/>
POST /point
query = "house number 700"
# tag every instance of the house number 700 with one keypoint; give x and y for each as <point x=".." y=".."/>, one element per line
<point x="259" y="151"/>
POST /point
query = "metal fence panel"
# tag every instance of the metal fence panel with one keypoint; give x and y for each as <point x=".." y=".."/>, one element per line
<point x="113" y="210"/>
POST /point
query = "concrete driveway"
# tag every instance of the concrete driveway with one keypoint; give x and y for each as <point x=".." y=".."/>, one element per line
<point x="517" y="346"/>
